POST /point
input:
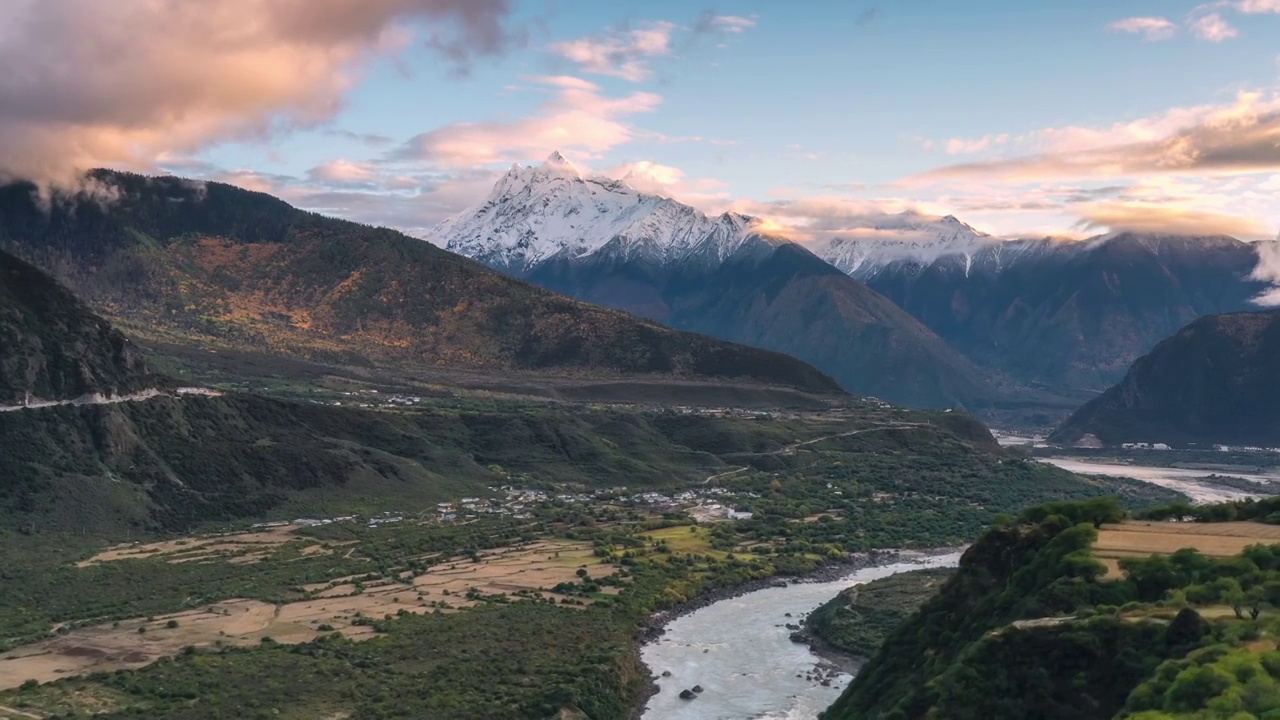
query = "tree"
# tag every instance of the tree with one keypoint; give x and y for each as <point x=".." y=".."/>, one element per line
<point x="1230" y="592"/>
<point x="1255" y="598"/>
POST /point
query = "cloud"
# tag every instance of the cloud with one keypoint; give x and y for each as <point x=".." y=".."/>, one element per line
<point x="622" y="52"/>
<point x="815" y="218"/>
<point x="369" y="193"/>
<point x="94" y="83"/>
<point x="1164" y="218"/>
<point x="1243" y="137"/>
<point x="1268" y="270"/>
<point x="370" y="139"/>
<point x="706" y="194"/>
<point x="732" y="23"/>
<point x="958" y="146"/>
<point x="577" y="120"/>
<point x="1211" y="27"/>
<point x="1257" y="7"/>
<point x="867" y="17"/>
<point x="1152" y="29"/>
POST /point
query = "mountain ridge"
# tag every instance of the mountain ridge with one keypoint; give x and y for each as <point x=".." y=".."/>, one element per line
<point x="1211" y="382"/>
<point x="1070" y="316"/>
<point x="601" y="241"/>
<point x="211" y="263"/>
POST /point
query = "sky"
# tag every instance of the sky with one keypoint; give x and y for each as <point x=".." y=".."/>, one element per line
<point x="1021" y="118"/>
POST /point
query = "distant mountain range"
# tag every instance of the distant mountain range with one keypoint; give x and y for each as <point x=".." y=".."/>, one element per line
<point x="1216" y="380"/>
<point x="1066" y="315"/>
<point x="210" y="264"/>
<point x="601" y="241"/>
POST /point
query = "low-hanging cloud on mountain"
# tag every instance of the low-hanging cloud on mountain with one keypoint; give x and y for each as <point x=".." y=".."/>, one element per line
<point x="1268" y="271"/>
<point x="130" y="82"/>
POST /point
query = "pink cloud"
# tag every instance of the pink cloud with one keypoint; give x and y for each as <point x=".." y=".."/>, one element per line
<point x="958" y="146"/>
<point x="623" y="53"/>
<point x="1212" y="27"/>
<point x="577" y="119"/>
<point x="1150" y="28"/>
<point x="124" y="82"/>
<point x="342" y="171"/>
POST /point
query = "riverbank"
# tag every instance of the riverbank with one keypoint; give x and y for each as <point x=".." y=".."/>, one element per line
<point x="833" y="572"/>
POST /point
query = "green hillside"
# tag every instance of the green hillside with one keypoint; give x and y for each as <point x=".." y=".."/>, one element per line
<point x="1035" y="625"/>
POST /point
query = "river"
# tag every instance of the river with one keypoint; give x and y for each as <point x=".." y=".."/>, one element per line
<point x="1192" y="483"/>
<point x="740" y="651"/>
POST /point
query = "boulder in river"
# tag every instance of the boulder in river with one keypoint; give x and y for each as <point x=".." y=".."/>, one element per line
<point x="697" y="688"/>
<point x="687" y="694"/>
<point x="666" y="673"/>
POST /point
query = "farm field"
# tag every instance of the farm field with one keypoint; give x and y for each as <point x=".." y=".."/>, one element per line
<point x="340" y="605"/>
<point x="1141" y="538"/>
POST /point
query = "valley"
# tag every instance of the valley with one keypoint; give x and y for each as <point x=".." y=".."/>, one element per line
<point x="243" y="493"/>
<point x="535" y="546"/>
<point x="532" y="360"/>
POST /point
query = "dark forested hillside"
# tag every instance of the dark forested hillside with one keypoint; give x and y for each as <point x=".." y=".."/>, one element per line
<point x="53" y="347"/>
<point x="195" y="263"/>
<point x="1215" y="381"/>
<point x="782" y="297"/>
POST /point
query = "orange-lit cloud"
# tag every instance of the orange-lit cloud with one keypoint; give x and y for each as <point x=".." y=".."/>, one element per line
<point x="1167" y="219"/>
<point x="1243" y="137"/>
<point x="92" y="83"/>
<point x="578" y="120"/>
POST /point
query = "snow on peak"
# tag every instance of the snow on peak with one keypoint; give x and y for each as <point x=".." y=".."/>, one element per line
<point x="556" y="164"/>
<point x="907" y="236"/>
<point x="534" y="214"/>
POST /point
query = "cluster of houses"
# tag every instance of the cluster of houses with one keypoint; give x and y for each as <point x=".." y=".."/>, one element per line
<point x="375" y="399"/>
<point x="709" y="503"/>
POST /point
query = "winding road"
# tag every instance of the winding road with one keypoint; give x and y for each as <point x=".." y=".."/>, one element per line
<point x="791" y="449"/>
<point x="99" y="399"/>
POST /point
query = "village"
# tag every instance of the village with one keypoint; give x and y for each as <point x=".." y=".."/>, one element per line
<point x="703" y="504"/>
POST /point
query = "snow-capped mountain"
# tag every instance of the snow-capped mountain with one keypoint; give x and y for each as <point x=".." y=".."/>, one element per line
<point x="906" y="236"/>
<point x="536" y="214"/>
<point x="602" y="241"/>
<point x="913" y="240"/>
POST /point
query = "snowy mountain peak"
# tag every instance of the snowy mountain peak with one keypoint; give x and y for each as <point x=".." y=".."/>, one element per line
<point x="906" y="236"/>
<point x="535" y="214"/>
<point x="556" y="164"/>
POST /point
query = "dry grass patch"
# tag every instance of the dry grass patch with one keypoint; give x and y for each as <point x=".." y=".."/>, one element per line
<point x="1143" y="538"/>
<point x="336" y="606"/>
<point x="1140" y="537"/>
<point x="204" y="547"/>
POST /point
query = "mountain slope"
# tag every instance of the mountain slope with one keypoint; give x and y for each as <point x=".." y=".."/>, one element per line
<point x="601" y="241"/>
<point x="1214" y="381"/>
<point x="52" y="347"/>
<point x="1029" y="627"/>
<point x="209" y="263"/>
<point x="1068" y="315"/>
